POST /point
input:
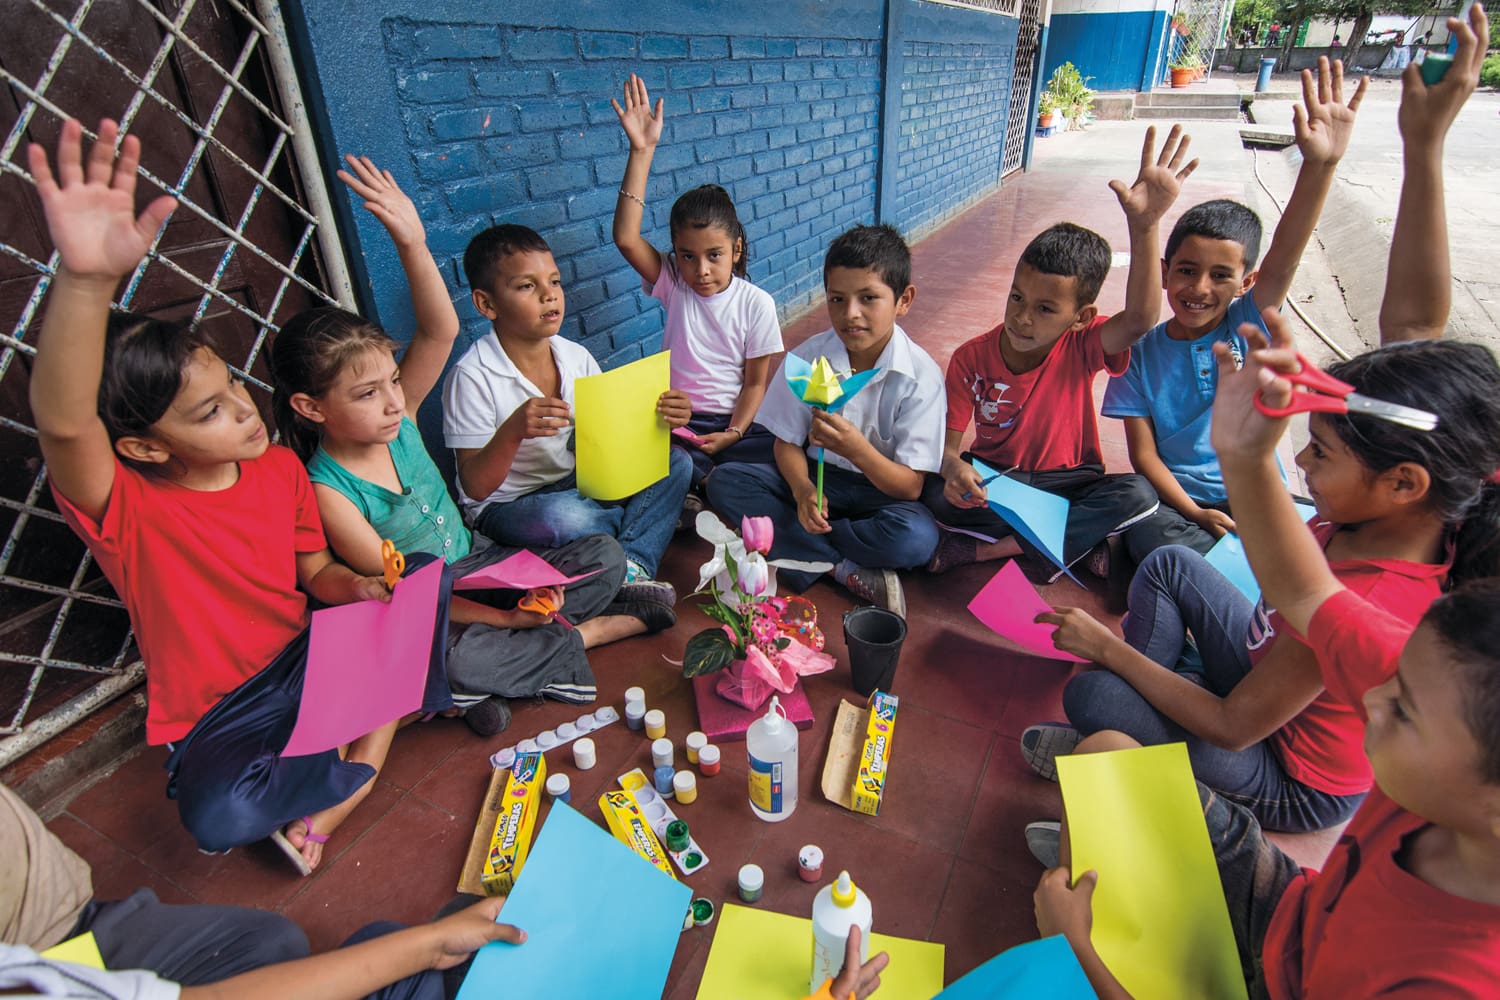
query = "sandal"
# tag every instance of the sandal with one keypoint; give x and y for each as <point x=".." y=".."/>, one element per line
<point x="279" y="838"/>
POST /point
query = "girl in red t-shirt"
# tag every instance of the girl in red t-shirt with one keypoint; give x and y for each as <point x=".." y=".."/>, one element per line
<point x="159" y="460"/>
<point x="1407" y="513"/>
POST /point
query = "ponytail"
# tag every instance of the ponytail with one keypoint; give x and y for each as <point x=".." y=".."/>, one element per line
<point x="1476" y="542"/>
<point x="308" y="354"/>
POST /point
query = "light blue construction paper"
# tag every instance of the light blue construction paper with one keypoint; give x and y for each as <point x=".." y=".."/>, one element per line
<point x="850" y="386"/>
<point x="1228" y="557"/>
<point x="1045" y="968"/>
<point x="1036" y="515"/>
<point x="798" y="370"/>
<point x="600" y="920"/>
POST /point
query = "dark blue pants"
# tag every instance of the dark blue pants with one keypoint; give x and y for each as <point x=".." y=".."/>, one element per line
<point x="758" y="445"/>
<point x="870" y="529"/>
<point x="227" y="774"/>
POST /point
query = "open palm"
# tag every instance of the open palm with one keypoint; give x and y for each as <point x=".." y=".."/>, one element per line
<point x="384" y="199"/>
<point x="1324" y="121"/>
<point x="90" y="206"/>
<point x="642" y="125"/>
<point x="1160" y="178"/>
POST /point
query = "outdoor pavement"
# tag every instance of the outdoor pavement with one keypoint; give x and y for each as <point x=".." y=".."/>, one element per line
<point x="944" y="861"/>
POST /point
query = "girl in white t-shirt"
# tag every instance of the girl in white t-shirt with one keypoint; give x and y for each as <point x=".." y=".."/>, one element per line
<point x="722" y="330"/>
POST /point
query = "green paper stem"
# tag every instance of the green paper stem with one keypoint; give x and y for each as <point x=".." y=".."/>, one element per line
<point x="820" y="480"/>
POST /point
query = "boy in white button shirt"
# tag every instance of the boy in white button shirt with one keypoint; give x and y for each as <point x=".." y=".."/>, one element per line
<point x="507" y="414"/>
<point x="879" y="446"/>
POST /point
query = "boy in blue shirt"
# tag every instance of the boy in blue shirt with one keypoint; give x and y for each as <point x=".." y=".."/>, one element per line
<point x="1212" y="286"/>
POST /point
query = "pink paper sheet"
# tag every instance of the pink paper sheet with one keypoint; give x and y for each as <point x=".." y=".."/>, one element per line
<point x="687" y="435"/>
<point x="1008" y="605"/>
<point x="522" y="571"/>
<point x="366" y="664"/>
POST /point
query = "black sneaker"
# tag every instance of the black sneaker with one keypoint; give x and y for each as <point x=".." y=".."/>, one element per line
<point x="1044" y="840"/>
<point x="880" y="587"/>
<point x="648" y="590"/>
<point x="657" y="617"/>
<point x="1043" y="743"/>
<point x="489" y="717"/>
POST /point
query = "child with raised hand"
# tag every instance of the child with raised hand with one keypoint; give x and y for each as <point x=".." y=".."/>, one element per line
<point x="348" y="409"/>
<point x="1028" y="384"/>
<point x="158" y="459"/>
<point x="1419" y="243"/>
<point x="722" y="330"/>
<point x="1402" y="514"/>
<point x="1212" y="286"/>
<point x="1408" y="902"/>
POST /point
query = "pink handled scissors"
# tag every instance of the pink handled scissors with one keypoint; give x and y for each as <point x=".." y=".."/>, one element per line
<point x="1320" y="392"/>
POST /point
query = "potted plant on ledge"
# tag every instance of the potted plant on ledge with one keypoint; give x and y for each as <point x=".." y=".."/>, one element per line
<point x="1183" y="72"/>
<point x="1070" y="94"/>
<point x="1046" y="109"/>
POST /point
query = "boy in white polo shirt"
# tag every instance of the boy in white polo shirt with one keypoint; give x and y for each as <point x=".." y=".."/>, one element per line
<point x="507" y="414"/>
<point x="878" y="448"/>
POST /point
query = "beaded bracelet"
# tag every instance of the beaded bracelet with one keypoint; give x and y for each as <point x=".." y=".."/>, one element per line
<point x="635" y="198"/>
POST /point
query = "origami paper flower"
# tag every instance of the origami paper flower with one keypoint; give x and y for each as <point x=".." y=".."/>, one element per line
<point x="820" y="387"/>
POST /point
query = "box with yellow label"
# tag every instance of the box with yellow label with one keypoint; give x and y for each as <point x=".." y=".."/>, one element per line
<point x="513" y="827"/>
<point x="874" y="759"/>
<point x="631" y="827"/>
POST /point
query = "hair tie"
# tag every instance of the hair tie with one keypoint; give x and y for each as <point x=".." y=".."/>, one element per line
<point x="1494" y="477"/>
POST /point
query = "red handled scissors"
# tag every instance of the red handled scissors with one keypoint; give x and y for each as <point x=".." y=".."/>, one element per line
<point x="1320" y="392"/>
<point x="543" y="605"/>
<point x="393" y="562"/>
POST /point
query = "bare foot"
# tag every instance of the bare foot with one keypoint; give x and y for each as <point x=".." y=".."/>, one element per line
<point x="312" y="851"/>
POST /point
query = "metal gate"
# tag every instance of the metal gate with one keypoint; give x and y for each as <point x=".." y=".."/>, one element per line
<point x="1197" y="32"/>
<point x="1018" y="120"/>
<point x="209" y="89"/>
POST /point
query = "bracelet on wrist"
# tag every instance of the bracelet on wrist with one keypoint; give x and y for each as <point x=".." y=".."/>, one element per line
<point x="633" y="197"/>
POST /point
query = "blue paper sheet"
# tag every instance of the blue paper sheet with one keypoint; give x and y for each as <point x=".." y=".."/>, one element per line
<point x="1045" y="968"/>
<point x="1228" y="557"/>
<point x="599" y="920"/>
<point x="1036" y="515"/>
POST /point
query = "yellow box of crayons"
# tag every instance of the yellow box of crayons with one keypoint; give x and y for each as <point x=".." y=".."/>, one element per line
<point x="874" y="759"/>
<point x="629" y="825"/>
<point x="513" y="827"/>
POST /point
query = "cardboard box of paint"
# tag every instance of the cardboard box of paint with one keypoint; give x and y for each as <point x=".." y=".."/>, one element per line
<point x="874" y="759"/>
<point x="510" y="838"/>
<point x="628" y="822"/>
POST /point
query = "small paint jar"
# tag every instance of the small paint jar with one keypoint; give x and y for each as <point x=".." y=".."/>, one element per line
<point x="810" y="863"/>
<point x="583" y="754"/>
<point x="656" y="724"/>
<point x="559" y="788"/>
<point x="661" y="753"/>
<point x="662" y="778"/>
<point x="708" y="760"/>
<point x="635" y="695"/>
<point x="685" y="787"/>
<point x="676" y="836"/>
<point x="635" y="715"/>
<point x="695" y="742"/>
<point x="703" y="912"/>
<point x="752" y="881"/>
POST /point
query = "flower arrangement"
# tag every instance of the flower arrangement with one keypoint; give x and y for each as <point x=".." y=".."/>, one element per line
<point x="767" y="642"/>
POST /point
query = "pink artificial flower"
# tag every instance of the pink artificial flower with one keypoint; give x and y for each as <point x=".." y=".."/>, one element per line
<point x="757" y="532"/>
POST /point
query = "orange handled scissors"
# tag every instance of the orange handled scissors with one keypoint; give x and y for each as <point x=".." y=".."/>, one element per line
<point x="1320" y="392"/>
<point x="543" y="605"/>
<point x="394" y="562"/>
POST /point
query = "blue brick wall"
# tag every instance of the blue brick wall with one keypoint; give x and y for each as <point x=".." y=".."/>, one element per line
<point x="488" y="122"/>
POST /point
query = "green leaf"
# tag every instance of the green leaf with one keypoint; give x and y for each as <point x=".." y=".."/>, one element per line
<point x="783" y="643"/>
<point x="728" y="616"/>
<point x="707" y="652"/>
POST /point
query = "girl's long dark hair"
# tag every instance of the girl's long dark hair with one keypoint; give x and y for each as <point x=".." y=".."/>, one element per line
<point x="307" y="356"/>
<point x="710" y="205"/>
<point x="144" y="360"/>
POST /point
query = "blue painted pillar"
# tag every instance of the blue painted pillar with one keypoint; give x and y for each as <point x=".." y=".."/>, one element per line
<point x="1037" y="87"/>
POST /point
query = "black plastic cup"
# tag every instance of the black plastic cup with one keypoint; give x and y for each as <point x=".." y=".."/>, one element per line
<point x="874" y="637"/>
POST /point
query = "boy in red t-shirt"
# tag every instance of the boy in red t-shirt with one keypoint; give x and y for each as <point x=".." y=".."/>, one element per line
<point x="1028" y="383"/>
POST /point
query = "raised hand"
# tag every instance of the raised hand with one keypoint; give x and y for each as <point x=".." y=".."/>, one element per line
<point x="1427" y="112"/>
<point x="90" y="206"/>
<point x="385" y="200"/>
<point x="1160" y="178"/>
<point x="642" y="125"/>
<point x="1238" y="429"/>
<point x="1324" y="121"/>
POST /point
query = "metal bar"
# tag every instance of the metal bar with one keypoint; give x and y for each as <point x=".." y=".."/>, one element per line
<point x="39" y="731"/>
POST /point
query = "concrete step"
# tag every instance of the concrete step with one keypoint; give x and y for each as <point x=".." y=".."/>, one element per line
<point x="1187" y="97"/>
<point x="1199" y="113"/>
<point x="1114" y="107"/>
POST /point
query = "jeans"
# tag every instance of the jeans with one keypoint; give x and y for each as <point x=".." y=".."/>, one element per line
<point x="555" y="515"/>
<point x="1175" y="592"/>
<point x="757" y="445"/>
<point x="870" y="529"/>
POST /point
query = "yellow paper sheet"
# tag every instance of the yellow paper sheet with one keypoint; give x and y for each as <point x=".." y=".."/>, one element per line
<point x="81" y="950"/>
<point x="761" y="955"/>
<point x="1160" y="921"/>
<point x="623" y="446"/>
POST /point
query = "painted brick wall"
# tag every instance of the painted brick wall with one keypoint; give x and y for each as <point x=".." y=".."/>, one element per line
<point x="513" y="124"/>
<point x="954" y="101"/>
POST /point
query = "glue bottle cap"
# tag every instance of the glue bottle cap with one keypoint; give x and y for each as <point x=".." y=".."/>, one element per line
<point x="843" y="890"/>
<point x="773" y="717"/>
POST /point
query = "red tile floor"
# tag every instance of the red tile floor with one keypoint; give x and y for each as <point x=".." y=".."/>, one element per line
<point x="945" y="859"/>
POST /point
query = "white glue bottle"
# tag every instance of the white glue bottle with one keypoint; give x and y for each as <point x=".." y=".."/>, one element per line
<point x="771" y="742"/>
<point x="837" y="906"/>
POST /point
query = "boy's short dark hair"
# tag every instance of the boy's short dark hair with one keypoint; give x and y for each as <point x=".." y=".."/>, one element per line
<point x="1467" y="621"/>
<point x="483" y="255"/>
<point x="1220" y="219"/>
<point x="875" y="248"/>
<point x="1071" y="251"/>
